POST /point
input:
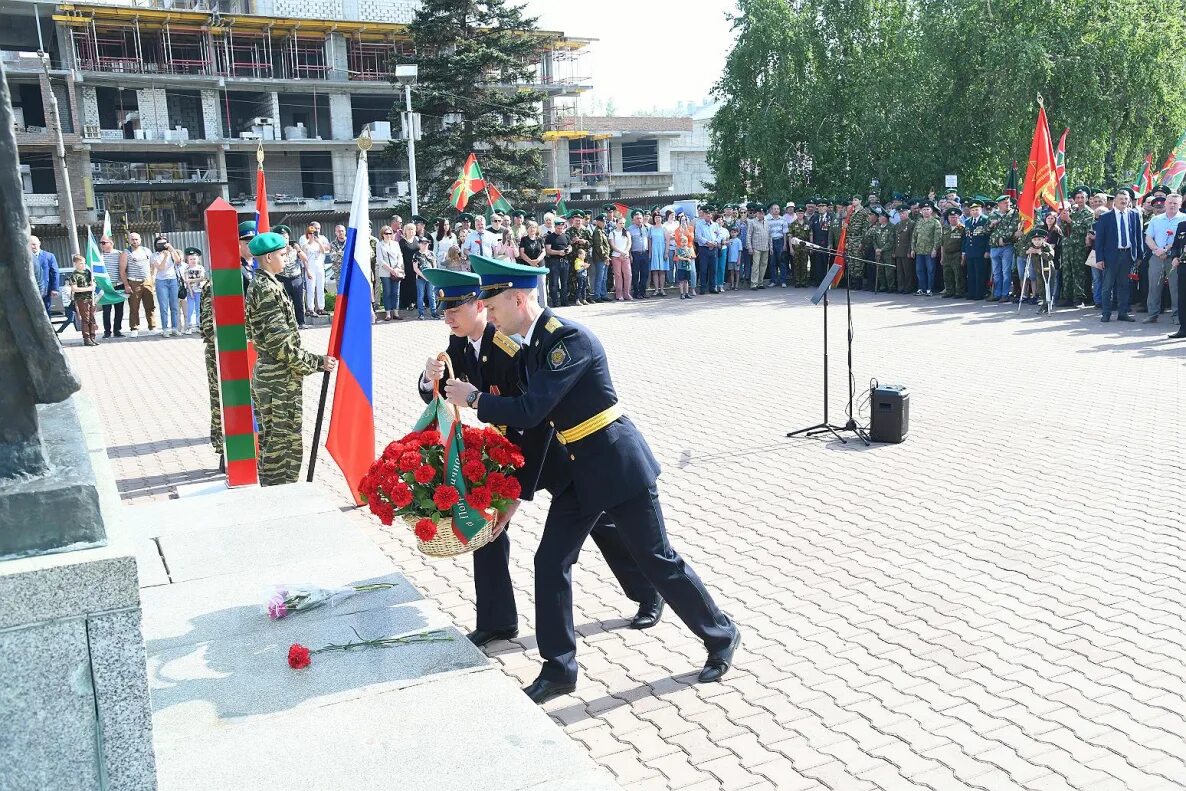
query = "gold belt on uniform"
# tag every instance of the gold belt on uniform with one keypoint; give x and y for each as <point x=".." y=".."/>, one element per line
<point x="590" y="426"/>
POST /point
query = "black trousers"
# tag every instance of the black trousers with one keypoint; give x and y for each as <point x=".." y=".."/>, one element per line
<point x="706" y="258"/>
<point x="494" y="593"/>
<point x="640" y="273"/>
<point x="119" y="318"/>
<point x="557" y="281"/>
<point x="295" y="288"/>
<point x="1182" y="296"/>
<point x="640" y="523"/>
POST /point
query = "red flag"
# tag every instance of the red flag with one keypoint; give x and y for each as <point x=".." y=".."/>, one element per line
<point x="622" y="209"/>
<point x="1039" y="186"/>
<point x="261" y="200"/>
<point x="468" y="184"/>
<point x="839" y="257"/>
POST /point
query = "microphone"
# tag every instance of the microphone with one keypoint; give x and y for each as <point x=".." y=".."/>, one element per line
<point x="797" y="242"/>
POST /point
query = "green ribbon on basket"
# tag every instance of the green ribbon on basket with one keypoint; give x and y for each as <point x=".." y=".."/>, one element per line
<point x="466" y="521"/>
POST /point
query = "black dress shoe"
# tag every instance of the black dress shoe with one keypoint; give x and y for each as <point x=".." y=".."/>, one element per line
<point x="1178" y="334"/>
<point x="719" y="662"/>
<point x="648" y="615"/>
<point x="542" y="690"/>
<point x="481" y="637"/>
<point x="1125" y="317"/>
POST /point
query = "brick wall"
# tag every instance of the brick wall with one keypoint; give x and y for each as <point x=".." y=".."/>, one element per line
<point x="284" y="173"/>
<point x="387" y="10"/>
<point x="90" y="106"/>
<point x="153" y="108"/>
<point x="308" y="9"/>
<point x="212" y="116"/>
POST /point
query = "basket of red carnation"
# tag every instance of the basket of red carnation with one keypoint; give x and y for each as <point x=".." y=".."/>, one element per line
<point x="448" y="482"/>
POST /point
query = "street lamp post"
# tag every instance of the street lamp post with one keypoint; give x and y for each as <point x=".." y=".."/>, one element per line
<point x="405" y="74"/>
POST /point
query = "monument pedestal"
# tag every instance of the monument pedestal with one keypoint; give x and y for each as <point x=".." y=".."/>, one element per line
<point x="74" y="706"/>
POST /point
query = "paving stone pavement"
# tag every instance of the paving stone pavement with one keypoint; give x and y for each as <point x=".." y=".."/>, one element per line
<point x="994" y="604"/>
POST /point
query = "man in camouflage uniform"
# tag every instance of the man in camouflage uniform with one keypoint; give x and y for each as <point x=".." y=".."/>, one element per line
<point x="903" y="262"/>
<point x="854" y="243"/>
<point x="884" y="239"/>
<point x="280" y="366"/>
<point x="1076" y="222"/>
<point x="799" y="229"/>
<point x="952" y="244"/>
<point x="1004" y="229"/>
<point x="206" y="326"/>
<point x="924" y="247"/>
<point x="580" y="236"/>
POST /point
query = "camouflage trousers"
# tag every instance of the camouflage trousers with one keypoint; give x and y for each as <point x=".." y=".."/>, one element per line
<point x="278" y="396"/>
<point x="855" y="269"/>
<point x="799" y="267"/>
<point x="887" y="276"/>
<point x="954" y="282"/>
<point x="1076" y="282"/>
<point x="215" y="401"/>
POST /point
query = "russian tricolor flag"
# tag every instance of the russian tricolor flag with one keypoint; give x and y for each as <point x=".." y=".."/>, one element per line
<point x="351" y="438"/>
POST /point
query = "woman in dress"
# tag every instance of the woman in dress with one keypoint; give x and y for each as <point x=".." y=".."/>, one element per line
<point x="506" y="249"/>
<point x="389" y="264"/>
<point x="444" y="240"/>
<point x="657" y="240"/>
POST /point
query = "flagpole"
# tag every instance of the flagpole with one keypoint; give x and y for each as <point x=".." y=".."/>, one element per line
<point x="364" y="145"/>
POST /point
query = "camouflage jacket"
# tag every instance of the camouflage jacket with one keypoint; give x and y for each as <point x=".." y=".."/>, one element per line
<point x="206" y="310"/>
<point x="600" y="250"/>
<point x="271" y="325"/>
<point x="1002" y="227"/>
<point x="858" y="224"/>
<point x="800" y="229"/>
<point x="952" y="241"/>
<point x="926" y="236"/>
<point x="1081" y="222"/>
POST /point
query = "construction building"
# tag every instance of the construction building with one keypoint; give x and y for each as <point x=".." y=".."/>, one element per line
<point x="164" y="103"/>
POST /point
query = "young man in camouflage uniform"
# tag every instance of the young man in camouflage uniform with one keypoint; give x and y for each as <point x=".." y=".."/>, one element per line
<point x="282" y="363"/>
<point x="952" y="245"/>
<point x="924" y="247"/>
<point x="206" y="326"/>
<point x="1004" y="229"/>
<point x="1076" y="222"/>
<point x="854" y="243"/>
<point x="884" y="239"/>
<point x="799" y="229"/>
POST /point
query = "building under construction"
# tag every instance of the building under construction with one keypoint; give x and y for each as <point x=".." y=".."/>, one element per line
<point x="163" y="103"/>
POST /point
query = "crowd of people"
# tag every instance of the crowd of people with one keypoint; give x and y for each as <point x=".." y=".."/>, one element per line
<point x="934" y="246"/>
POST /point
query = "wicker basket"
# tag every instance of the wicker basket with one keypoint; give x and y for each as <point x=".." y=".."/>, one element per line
<point x="446" y="544"/>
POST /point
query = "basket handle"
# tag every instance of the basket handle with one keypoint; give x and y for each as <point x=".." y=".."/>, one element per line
<point x="436" y="384"/>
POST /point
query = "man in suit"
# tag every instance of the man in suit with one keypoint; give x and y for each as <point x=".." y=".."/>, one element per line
<point x="45" y="270"/>
<point x="489" y="360"/>
<point x="1118" y="243"/>
<point x="603" y="466"/>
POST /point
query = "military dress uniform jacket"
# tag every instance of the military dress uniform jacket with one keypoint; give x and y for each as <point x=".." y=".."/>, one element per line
<point x="976" y="238"/>
<point x="568" y="392"/>
<point x="497" y="373"/>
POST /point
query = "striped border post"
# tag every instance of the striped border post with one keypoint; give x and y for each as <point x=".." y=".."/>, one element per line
<point x="230" y="342"/>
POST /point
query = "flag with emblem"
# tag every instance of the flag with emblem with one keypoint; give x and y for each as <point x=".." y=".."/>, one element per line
<point x="107" y="295"/>
<point x="1144" y="182"/>
<point x="1174" y="169"/>
<point x="1011" y="182"/>
<point x="560" y="208"/>
<point x="351" y="438"/>
<point x="1060" y="169"/>
<point x="497" y="201"/>
<point x="622" y="209"/>
<point x="468" y="184"/>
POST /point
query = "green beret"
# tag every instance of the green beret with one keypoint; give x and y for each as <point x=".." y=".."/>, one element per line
<point x="282" y="229"/>
<point x="192" y="251"/>
<point x="267" y="242"/>
<point x="247" y="229"/>
<point x="1002" y="198"/>
<point x="1081" y="188"/>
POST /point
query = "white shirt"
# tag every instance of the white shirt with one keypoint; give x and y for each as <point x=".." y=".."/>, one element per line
<point x="481" y="243"/>
<point x="531" y="330"/>
<point x="312" y="248"/>
<point x="1122" y="229"/>
<point x="620" y="242"/>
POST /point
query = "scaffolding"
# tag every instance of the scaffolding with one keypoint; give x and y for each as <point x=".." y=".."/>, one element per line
<point x="371" y="61"/>
<point x="305" y="57"/>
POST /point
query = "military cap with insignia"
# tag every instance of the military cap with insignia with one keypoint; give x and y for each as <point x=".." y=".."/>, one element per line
<point x="1158" y="201"/>
<point x="453" y="288"/>
<point x="418" y="218"/>
<point x="636" y="212"/>
<point x="247" y="229"/>
<point x="952" y="210"/>
<point x="192" y="251"/>
<point x="267" y="242"/>
<point x="1127" y="191"/>
<point x="927" y="205"/>
<point x="518" y="213"/>
<point x="1003" y="198"/>
<point x="498" y="276"/>
<point x="609" y="207"/>
<point x="282" y="229"/>
<point x="1040" y="233"/>
<point x="752" y="206"/>
<point x="465" y="217"/>
<point x="1164" y="190"/>
<point x="975" y="204"/>
<point x="599" y="218"/>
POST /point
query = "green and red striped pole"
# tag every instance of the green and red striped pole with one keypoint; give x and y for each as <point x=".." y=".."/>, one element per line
<point x="230" y="342"/>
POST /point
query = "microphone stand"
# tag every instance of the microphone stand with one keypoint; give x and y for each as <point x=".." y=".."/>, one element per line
<point x="826" y="427"/>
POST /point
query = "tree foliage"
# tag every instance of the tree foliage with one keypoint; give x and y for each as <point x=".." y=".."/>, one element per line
<point x="827" y="95"/>
<point x="476" y="59"/>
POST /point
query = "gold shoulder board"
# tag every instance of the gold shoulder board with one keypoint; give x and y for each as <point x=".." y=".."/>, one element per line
<point x="553" y="324"/>
<point x="506" y="344"/>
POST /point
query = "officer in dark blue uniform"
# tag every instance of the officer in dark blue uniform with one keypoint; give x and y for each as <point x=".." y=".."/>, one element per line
<point x="604" y="466"/>
<point x="489" y="360"/>
<point x="979" y="266"/>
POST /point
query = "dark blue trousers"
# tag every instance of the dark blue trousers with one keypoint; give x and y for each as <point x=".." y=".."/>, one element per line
<point x="1116" y="289"/>
<point x="640" y="525"/>
<point x="494" y="593"/>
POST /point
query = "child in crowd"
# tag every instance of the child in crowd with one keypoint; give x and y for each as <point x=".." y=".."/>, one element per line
<point x="581" y="268"/>
<point x="1040" y="264"/>
<point x="194" y="276"/>
<point x="423" y="259"/>
<point x="82" y="294"/>
<point x="733" y="262"/>
<point x="685" y="260"/>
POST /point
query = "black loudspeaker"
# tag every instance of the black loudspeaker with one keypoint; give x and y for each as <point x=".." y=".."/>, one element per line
<point x="890" y="421"/>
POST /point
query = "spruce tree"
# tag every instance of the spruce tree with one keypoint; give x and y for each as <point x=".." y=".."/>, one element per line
<point x="474" y="58"/>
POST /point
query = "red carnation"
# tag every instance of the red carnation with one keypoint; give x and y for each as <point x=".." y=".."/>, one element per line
<point x="499" y="455"/>
<point x="496" y="481"/>
<point x="400" y="494"/>
<point x="445" y="497"/>
<point x="511" y="489"/>
<point x="430" y="436"/>
<point x="426" y="529"/>
<point x="472" y="437"/>
<point x="409" y="461"/>
<point x="367" y="486"/>
<point x="384" y="511"/>
<point x="471" y="454"/>
<point x="479" y="498"/>
<point x="425" y="473"/>
<point x="393" y="451"/>
<point x="517" y="459"/>
<point x="298" y="656"/>
<point x="473" y="471"/>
